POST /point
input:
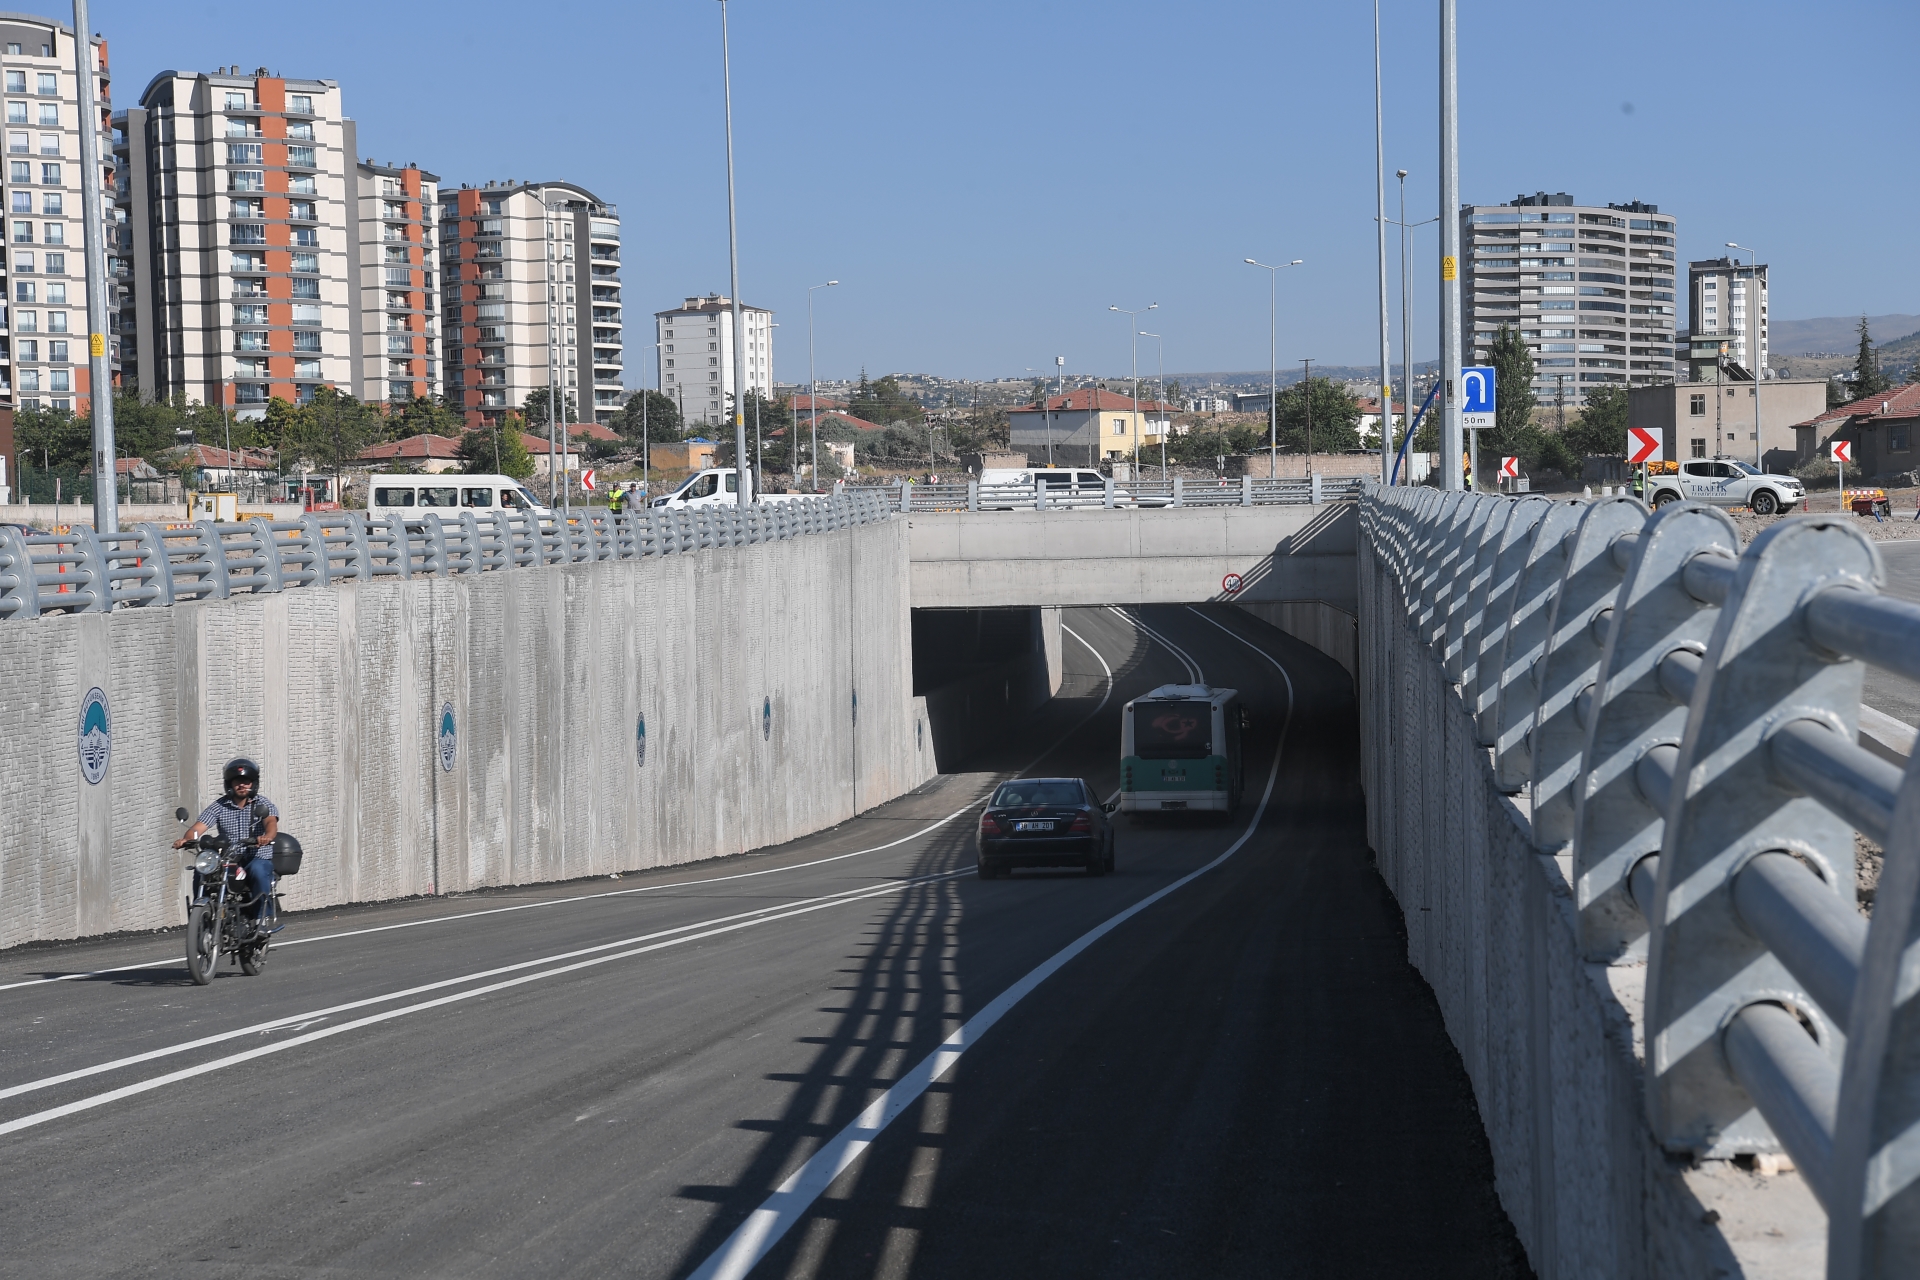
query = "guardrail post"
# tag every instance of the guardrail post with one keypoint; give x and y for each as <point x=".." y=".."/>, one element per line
<point x="1246" y="491"/>
<point x="153" y="550"/>
<point x="1179" y="491"/>
<point x="1525" y="643"/>
<point x="1106" y="492"/>
<point x="973" y="495"/>
<point x="269" y="553"/>
<point x="1313" y="486"/>
<point x="1615" y="825"/>
<point x="362" y="554"/>
<point x="1509" y="558"/>
<point x="19" y="587"/>
<point x="1583" y="611"/>
<point x="1729" y="804"/>
<point x="315" y="533"/>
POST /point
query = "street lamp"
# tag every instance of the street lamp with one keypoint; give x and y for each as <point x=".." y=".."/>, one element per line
<point x="1166" y="424"/>
<point x="1273" y="370"/>
<point x="741" y="470"/>
<point x="1754" y="322"/>
<point x="1134" y="342"/>
<point x="813" y="392"/>
<point x="1406" y="307"/>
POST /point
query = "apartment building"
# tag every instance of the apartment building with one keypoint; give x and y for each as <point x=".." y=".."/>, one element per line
<point x="696" y="355"/>
<point x="394" y="356"/>
<point x="1726" y="315"/>
<point x="1590" y="289"/>
<point x="237" y="197"/>
<point x="531" y="298"/>
<point x="43" y="329"/>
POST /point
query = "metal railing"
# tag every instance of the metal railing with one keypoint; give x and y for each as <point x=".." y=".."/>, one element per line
<point x="1122" y="494"/>
<point x="1683" y="718"/>
<point x="152" y="564"/>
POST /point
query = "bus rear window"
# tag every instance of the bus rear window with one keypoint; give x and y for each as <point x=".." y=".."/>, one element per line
<point x="1173" y="730"/>
<point x="393" y="497"/>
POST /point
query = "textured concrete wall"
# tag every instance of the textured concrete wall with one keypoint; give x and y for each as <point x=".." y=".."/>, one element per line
<point x="744" y="664"/>
<point x="1087" y="556"/>
<point x="1551" y="1042"/>
<point x="1329" y="629"/>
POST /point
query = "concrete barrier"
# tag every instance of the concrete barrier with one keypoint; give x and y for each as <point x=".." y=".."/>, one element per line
<point x="605" y="717"/>
<point x="1326" y="627"/>
<point x="1551" y="1042"/>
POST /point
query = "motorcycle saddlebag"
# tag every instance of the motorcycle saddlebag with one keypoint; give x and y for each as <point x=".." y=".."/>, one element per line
<point x="286" y="855"/>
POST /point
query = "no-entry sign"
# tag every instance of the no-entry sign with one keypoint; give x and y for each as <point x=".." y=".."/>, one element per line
<point x="1645" y="446"/>
<point x="1231" y="583"/>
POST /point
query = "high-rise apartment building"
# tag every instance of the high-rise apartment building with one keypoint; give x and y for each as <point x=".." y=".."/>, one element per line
<point x="1590" y="289"/>
<point x="531" y="298"/>
<point x="394" y="354"/>
<point x="238" y="197"/>
<point x="696" y="355"/>
<point x="1726" y="308"/>
<point x="43" y="332"/>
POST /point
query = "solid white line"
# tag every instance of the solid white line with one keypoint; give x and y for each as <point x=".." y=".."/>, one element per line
<point x="291" y="1019"/>
<point x="751" y="1241"/>
<point x="281" y="1046"/>
<point x="525" y="906"/>
<point x="1185" y="659"/>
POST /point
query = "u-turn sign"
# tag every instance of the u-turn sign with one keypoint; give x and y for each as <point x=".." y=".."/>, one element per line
<point x="1476" y="396"/>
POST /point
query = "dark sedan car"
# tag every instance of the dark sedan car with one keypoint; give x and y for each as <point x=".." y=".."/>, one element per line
<point x="1045" y="822"/>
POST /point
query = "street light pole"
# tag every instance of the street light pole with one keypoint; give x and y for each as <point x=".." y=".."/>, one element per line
<point x="106" y="494"/>
<point x="1406" y="307"/>
<point x="1166" y="424"/>
<point x="1306" y="390"/>
<point x="1753" y="328"/>
<point x="1380" y="225"/>
<point x="1133" y="320"/>
<point x="741" y="469"/>
<point x="1273" y="367"/>
<point x="1450" y="353"/>
<point x="813" y="390"/>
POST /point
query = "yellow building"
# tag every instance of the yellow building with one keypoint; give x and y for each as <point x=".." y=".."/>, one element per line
<point x="1088" y="426"/>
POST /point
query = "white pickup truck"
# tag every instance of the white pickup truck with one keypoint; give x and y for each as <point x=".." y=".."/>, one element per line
<point x="716" y="487"/>
<point x="1724" y="482"/>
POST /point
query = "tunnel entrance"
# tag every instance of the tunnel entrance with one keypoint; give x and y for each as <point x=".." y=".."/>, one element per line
<point x="979" y="670"/>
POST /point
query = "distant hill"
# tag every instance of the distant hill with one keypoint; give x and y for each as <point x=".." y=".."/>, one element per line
<point x="1837" y="335"/>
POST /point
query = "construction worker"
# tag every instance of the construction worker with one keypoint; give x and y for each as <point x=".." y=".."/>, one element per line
<point x="617" y="500"/>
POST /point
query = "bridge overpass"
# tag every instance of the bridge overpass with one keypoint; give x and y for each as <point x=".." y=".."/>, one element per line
<point x="1605" y="766"/>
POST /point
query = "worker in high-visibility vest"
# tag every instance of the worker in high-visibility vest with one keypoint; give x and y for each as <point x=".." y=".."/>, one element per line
<point x="617" y="500"/>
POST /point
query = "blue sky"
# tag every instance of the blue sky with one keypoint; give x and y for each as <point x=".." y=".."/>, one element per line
<point x="985" y="179"/>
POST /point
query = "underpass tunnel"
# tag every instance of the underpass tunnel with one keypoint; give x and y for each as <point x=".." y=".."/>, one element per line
<point x="981" y="670"/>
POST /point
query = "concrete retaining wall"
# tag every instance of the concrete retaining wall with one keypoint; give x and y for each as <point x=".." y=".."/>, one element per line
<point x="744" y="664"/>
<point x="1329" y="629"/>
<point x="1551" y="1043"/>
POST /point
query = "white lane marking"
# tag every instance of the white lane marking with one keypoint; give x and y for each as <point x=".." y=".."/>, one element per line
<point x="752" y="1239"/>
<point x="1105" y="693"/>
<point x="221" y="1064"/>
<point x="296" y="1019"/>
<point x="1181" y="655"/>
<point x="530" y="906"/>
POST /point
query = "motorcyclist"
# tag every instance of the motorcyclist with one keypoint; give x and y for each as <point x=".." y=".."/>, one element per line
<point x="244" y="817"/>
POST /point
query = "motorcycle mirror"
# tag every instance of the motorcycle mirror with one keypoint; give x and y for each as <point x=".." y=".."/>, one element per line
<point x="179" y="815"/>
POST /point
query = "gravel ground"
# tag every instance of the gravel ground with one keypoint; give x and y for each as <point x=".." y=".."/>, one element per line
<point x="1900" y="527"/>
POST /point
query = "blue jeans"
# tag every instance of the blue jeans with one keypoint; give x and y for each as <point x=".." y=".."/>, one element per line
<point x="260" y="876"/>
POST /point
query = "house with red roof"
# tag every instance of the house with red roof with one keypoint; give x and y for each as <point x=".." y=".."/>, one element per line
<point x="1882" y="429"/>
<point x="428" y="454"/>
<point x="1088" y="425"/>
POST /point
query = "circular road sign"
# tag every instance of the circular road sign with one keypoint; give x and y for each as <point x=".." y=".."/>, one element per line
<point x="1231" y="584"/>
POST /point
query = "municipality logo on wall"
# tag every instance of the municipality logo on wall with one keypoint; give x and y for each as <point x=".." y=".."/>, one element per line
<point x="96" y="736"/>
<point x="449" y="740"/>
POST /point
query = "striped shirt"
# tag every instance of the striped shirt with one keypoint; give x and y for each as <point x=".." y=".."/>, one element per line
<point x="235" y="821"/>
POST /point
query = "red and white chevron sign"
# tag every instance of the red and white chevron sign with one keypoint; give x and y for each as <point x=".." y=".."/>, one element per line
<point x="1645" y="446"/>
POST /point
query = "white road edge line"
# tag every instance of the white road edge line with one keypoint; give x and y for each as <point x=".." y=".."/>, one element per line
<point x="524" y="906"/>
<point x="1193" y="668"/>
<point x="754" y="1238"/>
<point x="281" y="1046"/>
<point x="292" y="1019"/>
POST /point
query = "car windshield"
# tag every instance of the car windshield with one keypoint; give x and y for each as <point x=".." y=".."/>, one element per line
<point x="1022" y="794"/>
<point x="1173" y="730"/>
<point x="1752" y="471"/>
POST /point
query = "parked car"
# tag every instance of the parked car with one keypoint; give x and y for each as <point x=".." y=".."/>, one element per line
<point x="1045" y="822"/>
<point x="1724" y="482"/>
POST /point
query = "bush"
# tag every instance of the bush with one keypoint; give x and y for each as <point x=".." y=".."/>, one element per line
<point x="1815" y="470"/>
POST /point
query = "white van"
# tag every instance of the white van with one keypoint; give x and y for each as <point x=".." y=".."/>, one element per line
<point x="1003" y="488"/>
<point x="449" y="494"/>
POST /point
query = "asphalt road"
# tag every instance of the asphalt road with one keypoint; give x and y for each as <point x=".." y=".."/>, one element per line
<point x="1898" y="697"/>
<point x="1241" y="1078"/>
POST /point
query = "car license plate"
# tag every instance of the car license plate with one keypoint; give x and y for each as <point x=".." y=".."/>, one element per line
<point x="1033" y="826"/>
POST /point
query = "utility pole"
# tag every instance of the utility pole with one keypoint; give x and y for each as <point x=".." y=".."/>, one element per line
<point x="1306" y="392"/>
<point x="1450" y="361"/>
<point x="106" y="496"/>
<point x="733" y="257"/>
<point x="1380" y="225"/>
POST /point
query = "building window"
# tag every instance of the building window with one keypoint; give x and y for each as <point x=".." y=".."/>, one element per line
<point x="303" y="184"/>
<point x="49" y="175"/>
<point x="26" y="321"/>
<point x="237" y="101"/>
<point x="301" y="103"/>
<point x="306" y="340"/>
<point x="249" y="340"/>
<point x="49" y="115"/>
<point x="53" y="204"/>
<point x="306" y="287"/>
<point x="250" y="313"/>
<point x="238" y="128"/>
<point x="1697" y="405"/>
<point x="1898" y="440"/>
<point x="1119" y="426"/>
<point x="306" y="313"/>
<point x="62" y="379"/>
<point x="300" y="210"/>
<point x="308" y="262"/>
<point x="57" y="353"/>
<point x="301" y="157"/>
<point x="306" y="369"/>
<point x="30" y="380"/>
<point x="19" y="143"/>
<point x="56" y="264"/>
<point x="250" y="393"/>
<point x="56" y="322"/>
<point x="243" y="153"/>
<point x="23" y="232"/>
<point x="248" y="233"/>
<point x="309" y="236"/>
<point x="49" y="85"/>
<point x="25" y="291"/>
<point x="49" y="144"/>
<point x="246" y="180"/>
<point x="16" y="82"/>
<point x="301" y="129"/>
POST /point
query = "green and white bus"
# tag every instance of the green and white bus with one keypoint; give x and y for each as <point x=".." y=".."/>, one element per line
<point x="1180" y="750"/>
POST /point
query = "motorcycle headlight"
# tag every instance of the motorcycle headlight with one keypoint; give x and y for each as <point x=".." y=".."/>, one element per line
<point x="206" y="863"/>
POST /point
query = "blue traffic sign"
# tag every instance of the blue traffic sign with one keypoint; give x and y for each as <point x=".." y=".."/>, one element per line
<point x="1477" y="396"/>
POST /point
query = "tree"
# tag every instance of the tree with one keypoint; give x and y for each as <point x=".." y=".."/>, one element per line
<point x="653" y="411"/>
<point x="422" y="416"/>
<point x="535" y="408"/>
<point x="1868" y="380"/>
<point x="1335" y="418"/>
<point x="885" y="402"/>
<point x="330" y="430"/>
<point x="1513" y="432"/>
<point x="1601" y="428"/>
<point x="497" y="450"/>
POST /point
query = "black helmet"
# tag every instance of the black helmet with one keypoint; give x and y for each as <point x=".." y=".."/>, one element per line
<point x="238" y="770"/>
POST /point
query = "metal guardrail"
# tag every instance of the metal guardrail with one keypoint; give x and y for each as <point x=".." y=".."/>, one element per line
<point x="152" y="564"/>
<point x="1124" y="494"/>
<point x="1683" y="717"/>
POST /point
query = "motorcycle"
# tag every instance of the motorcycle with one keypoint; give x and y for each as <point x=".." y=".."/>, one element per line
<point x="220" y="908"/>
